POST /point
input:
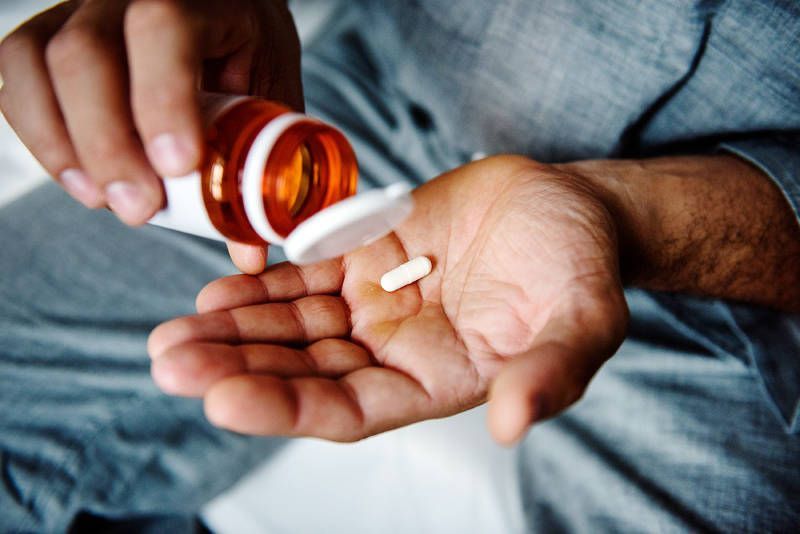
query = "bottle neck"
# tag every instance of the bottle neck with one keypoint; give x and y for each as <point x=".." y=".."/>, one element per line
<point x="260" y="183"/>
<point x="229" y="141"/>
<point x="266" y="169"/>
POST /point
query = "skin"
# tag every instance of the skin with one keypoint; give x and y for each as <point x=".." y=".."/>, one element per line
<point x="104" y="92"/>
<point x="524" y="303"/>
<point x="713" y="226"/>
<point x="522" y="308"/>
<point x="502" y="295"/>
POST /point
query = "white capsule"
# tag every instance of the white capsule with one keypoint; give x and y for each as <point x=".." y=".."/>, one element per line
<point x="405" y="274"/>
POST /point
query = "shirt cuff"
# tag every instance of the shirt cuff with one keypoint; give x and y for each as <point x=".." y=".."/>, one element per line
<point x="778" y="157"/>
<point x="772" y="339"/>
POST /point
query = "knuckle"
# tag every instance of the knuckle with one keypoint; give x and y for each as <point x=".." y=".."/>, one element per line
<point x="51" y="153"/>
<point x="50" y="150"/>
<point x="164" y="99"/>
<point x="148" y="16"/>
<point x="71" y="46"/>
<point x="330" y="306"/>
<point x="17" y="45"/>
<point x="106" y="157"/>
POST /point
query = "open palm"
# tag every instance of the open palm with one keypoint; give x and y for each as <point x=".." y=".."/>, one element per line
<point x="524" y="298"/>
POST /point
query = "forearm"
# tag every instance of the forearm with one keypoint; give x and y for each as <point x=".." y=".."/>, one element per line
<point x="707" y="225"/>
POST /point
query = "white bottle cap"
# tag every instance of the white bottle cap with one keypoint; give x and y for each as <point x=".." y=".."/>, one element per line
<point x="349" y="224"/>
<point x="336" y="230"/>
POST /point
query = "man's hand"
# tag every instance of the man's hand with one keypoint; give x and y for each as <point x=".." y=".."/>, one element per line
<point x="523" y="306"/>
<point x="104" y="92"/>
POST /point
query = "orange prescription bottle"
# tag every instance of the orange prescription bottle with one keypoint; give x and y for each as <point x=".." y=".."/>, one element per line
<point x="270" y="175"/>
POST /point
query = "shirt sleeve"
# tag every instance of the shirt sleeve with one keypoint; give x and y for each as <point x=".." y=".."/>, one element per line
<point x="772" y="339"/>
<point x="778" y="157"/>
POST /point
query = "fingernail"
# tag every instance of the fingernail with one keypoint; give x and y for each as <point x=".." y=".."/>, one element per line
<point x="171" y="155"/>
<point x="128" y="201"/>
<point x="81" y="187"/>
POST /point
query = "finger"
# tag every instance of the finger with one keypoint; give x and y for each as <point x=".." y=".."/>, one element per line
<point x="87" y="66"/>
<point x="303" y="321"/>
<point x="554" y="373"/>
<point x="281" y="282"/>
<point x="30" y="106"/>
<point x="363" y="403"/>
<point x="164" y="53"/>
<point x="190" y="369"/>
<point x="268" y="65"/>
<point x="249" y="259"/>
<point x="231" y="74"/>
<point x="167" y="42"/>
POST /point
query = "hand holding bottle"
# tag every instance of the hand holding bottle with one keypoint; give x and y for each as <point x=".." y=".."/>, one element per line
<point x="104" y="93"/>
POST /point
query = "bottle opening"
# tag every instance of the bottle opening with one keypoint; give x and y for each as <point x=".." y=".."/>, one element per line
<point x="310" y="167"/>
<point x="267" y="169"/>
<point x="228" y="140"/>
<point x="293" y="187"/>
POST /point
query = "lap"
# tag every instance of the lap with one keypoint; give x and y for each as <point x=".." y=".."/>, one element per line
<point x="82" y="427"/>
<point x="669" y="438"/>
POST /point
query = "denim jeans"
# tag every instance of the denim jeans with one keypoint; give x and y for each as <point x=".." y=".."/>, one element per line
<point x="679" y="431"/>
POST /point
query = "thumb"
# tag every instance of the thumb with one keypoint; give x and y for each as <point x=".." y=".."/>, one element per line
<point x="554" y="372"/>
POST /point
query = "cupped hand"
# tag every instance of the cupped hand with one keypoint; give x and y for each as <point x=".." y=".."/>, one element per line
<point x="523" y="306"/>
<point x="105" y="93"/>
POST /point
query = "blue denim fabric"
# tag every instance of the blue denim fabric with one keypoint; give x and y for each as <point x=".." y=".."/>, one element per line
<point x="581" y="79"/>
<point x="673" y="435"/>
<point x="82" y="426"/>
<point x="773" y="339"/>
<point x="685" y="429"/>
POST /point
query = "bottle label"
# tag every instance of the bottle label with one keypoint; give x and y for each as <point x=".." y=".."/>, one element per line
<point x="185" y="210"/>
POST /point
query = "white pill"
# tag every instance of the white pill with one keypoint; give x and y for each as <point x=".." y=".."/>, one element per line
<point x="405" y="274"/>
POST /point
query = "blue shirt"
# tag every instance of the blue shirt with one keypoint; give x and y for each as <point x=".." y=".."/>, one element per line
<point x="577" y="79"/>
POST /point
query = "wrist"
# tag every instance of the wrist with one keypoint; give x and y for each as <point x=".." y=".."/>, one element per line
<point x="620" y="187"/>
<point x="708" y="225"/>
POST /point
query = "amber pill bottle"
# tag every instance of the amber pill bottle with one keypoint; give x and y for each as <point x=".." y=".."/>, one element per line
<point x="265" y="170"/>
